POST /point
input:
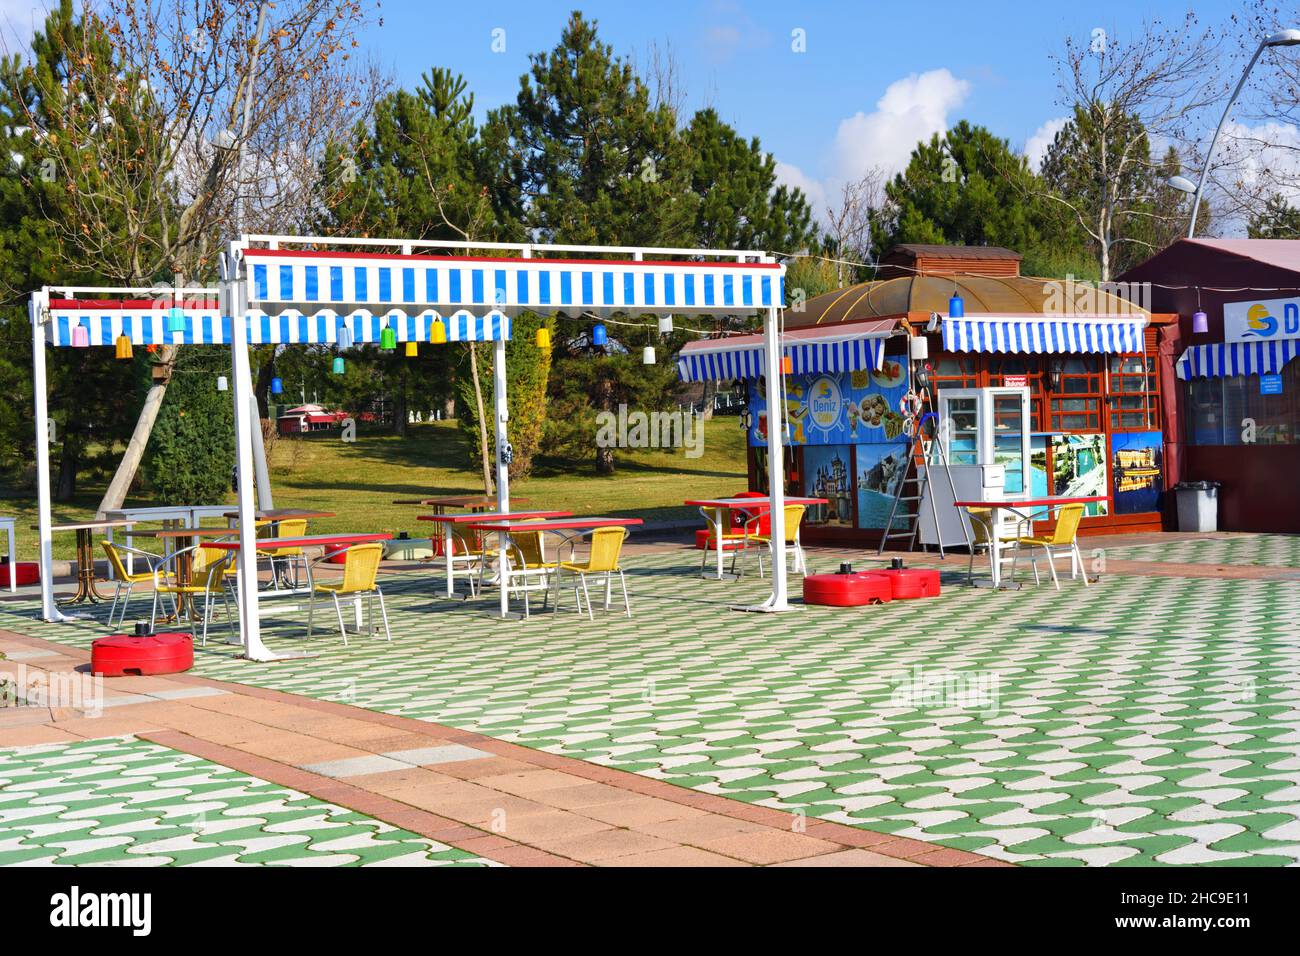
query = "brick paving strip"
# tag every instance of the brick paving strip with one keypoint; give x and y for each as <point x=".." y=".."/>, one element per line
<point x="502" y="801"/>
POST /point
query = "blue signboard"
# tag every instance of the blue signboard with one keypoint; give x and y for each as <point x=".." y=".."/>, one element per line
<point x="1270" y="385"/>
<point x="835" y="408"/>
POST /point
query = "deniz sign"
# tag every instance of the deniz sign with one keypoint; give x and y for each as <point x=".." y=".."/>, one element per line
<point x="1261" y="320"/>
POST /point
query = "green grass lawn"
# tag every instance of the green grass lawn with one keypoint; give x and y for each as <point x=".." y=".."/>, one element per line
<point x="360" y="480"/>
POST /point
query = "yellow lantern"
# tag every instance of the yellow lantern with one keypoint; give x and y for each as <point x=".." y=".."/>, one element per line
<point x="412" y="350"/>
<point x="543" y="338"/>
<point x="438" y="332"/>
<point x="124" y="347"/>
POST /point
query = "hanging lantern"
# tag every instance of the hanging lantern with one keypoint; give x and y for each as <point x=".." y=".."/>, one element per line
<point x="277" y="386"/>
<point x="338" y="365"/>
<point x="665" y="324"/>
<point x="412" y="350"/>
<point x="598" y="334"/>
<point x="175" y="320"/>
<point x="124" y="347"/>
<point x="787" y="365"/>
<point x="956" y="307"/>
<point x="222" y="384"/>
<point x="438" y="332"/>
<point x="1200" y="322"/>
<point x="387" y="339"/>
<point x="80" y="337"/>
<point x="543" y="338"/>
<point x="648" y="355"/>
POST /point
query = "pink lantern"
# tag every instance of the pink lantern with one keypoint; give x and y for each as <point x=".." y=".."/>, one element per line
<point x="80" y="337"/>
<point x="1200" y="322"/>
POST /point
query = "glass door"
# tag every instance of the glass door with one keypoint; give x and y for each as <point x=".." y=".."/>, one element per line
<point x="959" y="428"/>
<point x="1010" y="435"/>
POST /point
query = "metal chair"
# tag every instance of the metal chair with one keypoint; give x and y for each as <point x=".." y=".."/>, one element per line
<point x="602" y="563"/>
<point x="125" y="579"/>
<point x="793" y="520"/>
<point x="529" y="570"/>
<point x="1061" y="542"/>
<point x="208" y="577"/>
<point x="287" y="557"/>
<point x="360" y="570"/>
<point x="736" y="542"/>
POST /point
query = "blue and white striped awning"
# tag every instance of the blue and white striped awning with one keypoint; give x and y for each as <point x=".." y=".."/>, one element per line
<point x="809" y="350"/>
<point x="309" y="281"/>
<point x="148" y="326"/>
<point x="991" y="333"/>
<point x="1228" y="359"/>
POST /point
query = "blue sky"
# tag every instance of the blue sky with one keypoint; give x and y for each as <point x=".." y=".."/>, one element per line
<point x="875" y="76"/>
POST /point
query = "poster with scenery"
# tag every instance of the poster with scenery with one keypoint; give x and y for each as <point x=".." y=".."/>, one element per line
<point x="880" y="468"/>
<point x="1079" y="469"/>
<point x="836" y="408"/>
<point x="827" y="474"/>
<point x="1038" y="466"/>
<point x="1137" y="471"/>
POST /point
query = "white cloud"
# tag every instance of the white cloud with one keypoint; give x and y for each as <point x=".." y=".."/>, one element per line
<point x="1037" y="145"/>
<point x="912" y="109"/>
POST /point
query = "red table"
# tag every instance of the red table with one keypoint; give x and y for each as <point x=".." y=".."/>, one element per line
<point x="1018" y="507"/>
<point x="448" y="520"/>
<point x="756" y="505"/>
<point x="504" y="526"/>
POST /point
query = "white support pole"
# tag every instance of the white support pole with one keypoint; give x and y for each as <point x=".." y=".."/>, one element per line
<point x="264" y="500"/>
<point x="36" y="310"/>
<point x="501" y="413"/>
<point x="246" y="433"/>
<point x="776" y="462"/>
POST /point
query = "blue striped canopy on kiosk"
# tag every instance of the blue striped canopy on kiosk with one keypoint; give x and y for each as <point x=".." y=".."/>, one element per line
<point x="1229" y="359"/>
<point x="830" y="349"/>
<point x="1044" y="334"/>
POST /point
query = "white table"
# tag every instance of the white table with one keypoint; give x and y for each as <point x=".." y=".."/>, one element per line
<point x="755" y="507"/>
<point x="8" y="525"/>
<point x="1024" y="509"/>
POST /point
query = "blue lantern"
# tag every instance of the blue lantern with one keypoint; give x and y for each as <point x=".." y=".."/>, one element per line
<point x="338" y="365"/>
<point x="345" y="338"/>
<point x="175" y="319"/>
<point x="598" y="334"/>
<point x="277" y="386"/>
<point x="956" y="307"/>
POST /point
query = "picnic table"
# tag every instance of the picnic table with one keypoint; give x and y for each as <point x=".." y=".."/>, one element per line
<point x="504" y="526"/>
<point x="281" y="514"/>
<point x="1017" y="507"/>
<point x="464" y="502"/>
<point x="719" y="506"/>
<point x="449" y="520"/>
<point x="8" y="525"/>
<point x="170" y="516"/>
<point x="86" y="592"/>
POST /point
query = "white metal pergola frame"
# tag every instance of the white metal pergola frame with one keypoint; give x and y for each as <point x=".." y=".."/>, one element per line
<point x="235" y="303"/>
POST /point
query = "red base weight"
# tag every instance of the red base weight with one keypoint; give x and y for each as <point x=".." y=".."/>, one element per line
<point x="121" y="654"/>
<point x="847" y="590"/>
<point x="912" y="582"/>
<point x="26" y="572"/>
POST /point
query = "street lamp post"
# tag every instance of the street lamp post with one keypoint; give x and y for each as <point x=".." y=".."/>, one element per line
<point x="1281" y="38"/>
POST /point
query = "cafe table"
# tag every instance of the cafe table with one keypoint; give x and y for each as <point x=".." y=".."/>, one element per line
<point x="182" y="555"/>
<point x="503" y="527"/>
<point x="755" y="506"/>
<point x="86" y="592"/>
<point x="330" y="544"/>
<point x="448" y="521"/>
<point x="282" y="514"/>
<point x="463" y="502"/>
<point x="169" y="516"/>
<point x="1024" y="509"/>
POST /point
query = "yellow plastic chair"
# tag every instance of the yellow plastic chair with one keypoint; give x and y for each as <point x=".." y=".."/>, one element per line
<point x="360" y="569"/>
<point x="602" y="564"/>
<point x="207" y="579"/>
<point x="793" y="520"/>
<point x="1061" y="542"/>
<point x="288" y="557"/>
<point x="125" y="579"/>
<point x="529" y="567"/>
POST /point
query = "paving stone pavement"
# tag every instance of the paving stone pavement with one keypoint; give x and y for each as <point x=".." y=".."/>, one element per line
<point x="128" y="802"/>
<point x="1145" y="720"/>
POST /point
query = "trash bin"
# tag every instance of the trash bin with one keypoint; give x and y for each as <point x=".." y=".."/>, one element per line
<point x="1198" y="505"/>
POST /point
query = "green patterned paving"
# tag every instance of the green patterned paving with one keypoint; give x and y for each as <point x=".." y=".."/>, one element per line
<point x="1246" y="550"/>
<point x="127" y="802"/>
<point x="1146" y="720"/>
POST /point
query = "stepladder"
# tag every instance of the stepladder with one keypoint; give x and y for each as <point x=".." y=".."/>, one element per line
<point x="925" y="458"/>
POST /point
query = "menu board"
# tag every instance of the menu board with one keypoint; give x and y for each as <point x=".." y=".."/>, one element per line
<point x="835" y="408"/>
